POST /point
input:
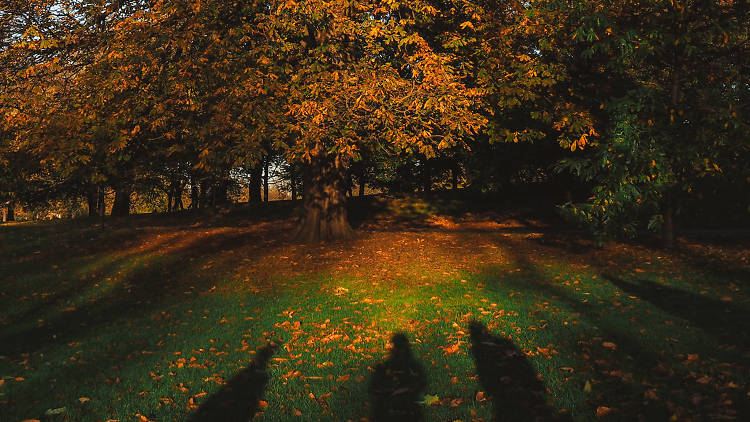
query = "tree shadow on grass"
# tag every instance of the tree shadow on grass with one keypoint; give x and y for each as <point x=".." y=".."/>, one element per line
<point x="398" y="385"/>
<point x="724" y="321"/>
<point x="239" y="399"/>
<point x="504" y="373"/>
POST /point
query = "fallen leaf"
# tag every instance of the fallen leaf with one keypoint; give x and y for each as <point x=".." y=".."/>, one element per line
<point x="84" y="399"/>
<point x="480" y="396"/>
<point x="609" y="345"/>
<point x="587" y="387"/>
<point x="430" y="399"/>
<point x="602" y="411"/>
<point x="343" y="378"/>
<point x="58" y="411"/>
<point x="297" y="412"/>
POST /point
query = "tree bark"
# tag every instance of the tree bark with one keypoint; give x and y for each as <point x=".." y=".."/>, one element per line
<point x="121" y="206"/>
<point x="325" y="185"/>
<point x="265" y="178"/>
<point x="293" y="184"/>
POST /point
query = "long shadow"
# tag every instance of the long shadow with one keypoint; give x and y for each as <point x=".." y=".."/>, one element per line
<point x="140" y="291"/>
<point x="239" y="399"/>
<point x="508" y="378"/>
<point x="398" y="385"/>
<point x="727" y="323"/>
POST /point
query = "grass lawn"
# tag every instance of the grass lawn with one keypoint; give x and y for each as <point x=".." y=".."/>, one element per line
<point x="431" y="312"/>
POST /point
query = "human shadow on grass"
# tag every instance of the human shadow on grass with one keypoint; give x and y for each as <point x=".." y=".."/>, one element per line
<point x="724" y="321"/>
<point x="509" y="379"/>
<point x="398" y="385"/>
<point x="239" y="399"/>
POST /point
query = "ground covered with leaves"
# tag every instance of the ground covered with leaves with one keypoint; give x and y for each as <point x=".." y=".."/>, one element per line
<point x="433" y="312"/>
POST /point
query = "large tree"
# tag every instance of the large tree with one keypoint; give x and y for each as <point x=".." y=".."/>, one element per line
<point x="357" y="76"/>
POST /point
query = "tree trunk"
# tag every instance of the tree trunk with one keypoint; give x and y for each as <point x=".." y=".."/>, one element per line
<point x="361" y="179"/>
<point x="195" y="201"/>
<point x="92" y="195"/>
<point x="265" y="179"/>
<point x="10" y="212"/>
<point x="170" y="195"/>
<point x="324" y="202"/>
<point x="121" y="206"/>
<point x="668" y="229"/>
<point x="222" y="193"/>
<point x="454" y="177"/>
<point x="426" y="177"/>
<point x="177" y="205"/>
<point x="101" y="203"/>
<point x="256" y="182"/>
<point x="294" y="188"/>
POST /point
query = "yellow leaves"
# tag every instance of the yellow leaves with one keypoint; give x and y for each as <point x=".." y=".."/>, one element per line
<point x="587" y="387"/>
<point x="83" y="400"/>
<point x="452" y="349"/>
<point x="430" y="399"/>
<point x="467" y="24"/>
<point x="480" y="396"/>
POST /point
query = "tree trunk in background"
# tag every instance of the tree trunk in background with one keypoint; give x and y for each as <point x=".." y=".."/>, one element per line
<point x="265" y="179"/>
<point x="177" y="205"/>
<point x="256" y="181"/>
<point x="294" y="188"/>
<point x="195" y="202"/>
<point x="454" y="177"/>
<point x="10" y="214"/>
<point x="101" y="203"/>
<point x="121" y="206"/>
<point x="221" y="195"/>
<point x="92" y="195"/>
<point x="204" y="200"/>
<point x="361" y="179"/>
<point x="170" y="194"/>
<point x="349" y="185"/>
<point x="668" y="228"/>
<point x="324" y="202"/>
<point x="426" y="177"/>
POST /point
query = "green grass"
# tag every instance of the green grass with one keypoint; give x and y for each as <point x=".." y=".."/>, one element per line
<point x="154" y="318"/>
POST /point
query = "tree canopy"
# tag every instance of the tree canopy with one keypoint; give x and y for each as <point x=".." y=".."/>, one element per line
<point x="643" y="102"/>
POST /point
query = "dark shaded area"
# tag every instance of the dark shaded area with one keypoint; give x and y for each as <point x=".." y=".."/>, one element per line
<point x="504" y="373"/>
<point x="239" y="399"/>
<point x="727" y="323"/>
<point x="398" y="385"/>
